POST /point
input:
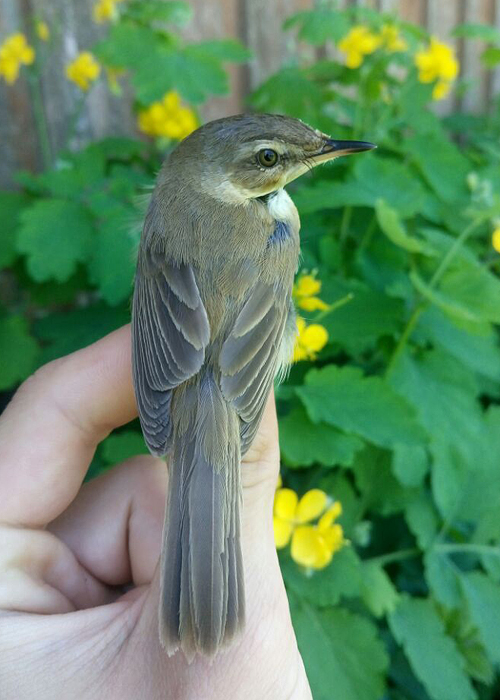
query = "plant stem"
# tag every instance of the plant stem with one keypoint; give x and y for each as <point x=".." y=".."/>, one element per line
<point x="333" y="307"/>
<point x="40" y="119"/>
<point x="468" y="547"/>
<point x="392" y="557"/>
<point x="435" y="279"/>
<point x="344" y="224"/>
<point x="368" y="235"/>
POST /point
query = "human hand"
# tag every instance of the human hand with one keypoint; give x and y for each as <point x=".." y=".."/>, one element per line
<point x="67" y="551"/>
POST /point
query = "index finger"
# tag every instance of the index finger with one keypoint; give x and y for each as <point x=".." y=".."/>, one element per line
<point x="50" y="429"/>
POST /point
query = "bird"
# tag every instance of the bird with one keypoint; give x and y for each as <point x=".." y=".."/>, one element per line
<point x="213" y="323"/>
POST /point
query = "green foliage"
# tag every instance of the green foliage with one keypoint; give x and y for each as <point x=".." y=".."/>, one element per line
<point x="399" y="417"/>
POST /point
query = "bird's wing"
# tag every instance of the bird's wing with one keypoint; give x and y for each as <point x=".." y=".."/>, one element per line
<point x="249" y="357"/>
<point x="170" y="332"/>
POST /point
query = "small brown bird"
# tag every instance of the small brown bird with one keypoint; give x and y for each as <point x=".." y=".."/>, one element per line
<point x="213" y="322"/>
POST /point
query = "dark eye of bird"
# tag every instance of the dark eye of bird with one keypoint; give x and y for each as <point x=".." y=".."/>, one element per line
<point x="267" y="157"/>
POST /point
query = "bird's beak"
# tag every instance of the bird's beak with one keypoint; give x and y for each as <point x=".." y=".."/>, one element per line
<point x="333" y="149"/>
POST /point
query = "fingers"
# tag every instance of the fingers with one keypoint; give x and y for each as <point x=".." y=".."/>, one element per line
<point x="50" y="430"/>
<point x="114" y="526"/>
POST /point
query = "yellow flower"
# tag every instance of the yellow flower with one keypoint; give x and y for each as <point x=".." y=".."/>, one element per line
<point x="105" y="11"/>
<point x="391" y="40"/>
<point x="357" y="44"/>
<point x="310" y="340"/>
<point x="312" y="546"/>
<point x="495" y="239"/>
<point x="13" y="52"/>
<point x="438" y="64"/>
<point x="304" y="292"/>
<point x="167" y="118"/>
<point x="83" y="70"/>
<point x="42" y="31"/>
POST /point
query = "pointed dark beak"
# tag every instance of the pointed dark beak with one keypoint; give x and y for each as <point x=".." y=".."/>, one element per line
<point x="334" y="149"/>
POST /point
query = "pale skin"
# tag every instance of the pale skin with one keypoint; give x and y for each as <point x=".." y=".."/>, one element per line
<point x="66" y="630"/>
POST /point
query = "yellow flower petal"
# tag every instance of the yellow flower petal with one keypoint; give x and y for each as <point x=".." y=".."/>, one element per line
<point x="172" y="100"/>
<point x="83" y="70"/>
<point x="285" y="504"/>
<point x="333" y="538"/>
<point x="311" y="505"/>
<point x="282" y="532"/>
<point x="354" y="59"/>
<point x="312" y="304"/>
<point x="333" y="512"/>
<point x="308" y="548"/>
<point x="495" y="239"/>
<point x="306" y="286"/>
<point x="314" y="337"/>
<point x="441" y="89"/>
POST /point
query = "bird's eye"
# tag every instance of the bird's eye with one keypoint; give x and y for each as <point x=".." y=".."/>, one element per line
<point x="267" y="157"/>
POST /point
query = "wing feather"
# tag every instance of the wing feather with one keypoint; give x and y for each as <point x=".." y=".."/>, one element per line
<point x="170" y="332"/>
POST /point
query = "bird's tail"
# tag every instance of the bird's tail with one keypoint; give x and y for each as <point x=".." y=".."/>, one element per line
<point x="202" y="595"/>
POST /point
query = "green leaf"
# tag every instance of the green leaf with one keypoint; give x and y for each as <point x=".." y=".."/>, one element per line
<point x="319" y="26"/>
<point x="377" y="590"/>
<point x="432" y="654"/>
<point x="381" y="492"/>
<point x="372" y="178"/>
<point x="442" y="165"/>
<point x="475" y="289"/>
<point x="473" y="30"/>
<point x="422" y="519"/>
<point x="476" y="345"/>
<point x="18" y="351"/>
<point x="444" y="393"/>
<point x="121" y="446"/>
<point x="450" y="305"/>
<point x="369" y="315"/>
<point x="366" y="406"/>
<point x="303" y="443"/>
<point x="341" y="578"/>
<point x="410" y="464"/>
<point x="148" y="11"/>
<point x="443" y="578"/>
<point x="483" y="600"/>
<point x="391" y="224"/>
<point x="64" y="333"/>
<point x="491" y="56"/>
<point x="55" y="235"/>
<point x="11" y="206"/>
<point x="332" y="643"/>
<point x="288" y="92"/>
<point x="113" y="259"/>
<point x="222" y="50"/>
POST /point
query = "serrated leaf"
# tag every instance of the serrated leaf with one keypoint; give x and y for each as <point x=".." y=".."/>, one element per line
<point x="366" y="406"/>
<point x="372" y="178"/>
<point x="483" y="601"/>
<point x="121" y="446"/>
<point x="476" y="345"/>
<point x="410" y="464"/>
<point x="326" y="587"/>
<point x="319" y="26"/>
<point x="381" y="492"/>
<point x="422" y="519"/>
<point x="491" y="56"/>
<point x="443" y="578"/>
<point x="442" y="165"/>
<point x="332" y="642"/>
<point x="303" y="443"/>
<point x="392" y="226"/>
<point x="377" y="590"/>
<point x="444" y="393"/>
<point x="433" y="655"/>
<point x="18" y="351"/>
<point x="223" y="50"/>
<point x="113" y="258"/>
<point x="11" y="206"/>
<point x="288" y="92"/>
<point x="55" y="235"/>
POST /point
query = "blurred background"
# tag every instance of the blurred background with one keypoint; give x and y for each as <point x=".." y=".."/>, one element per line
<point x="387" y="514"/>
<point x="257" y="23"/>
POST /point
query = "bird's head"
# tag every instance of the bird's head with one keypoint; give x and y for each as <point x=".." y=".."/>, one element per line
<point x="251" y="155"/>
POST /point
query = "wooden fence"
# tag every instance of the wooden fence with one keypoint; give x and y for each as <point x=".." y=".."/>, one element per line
<point x="256" y="22"/>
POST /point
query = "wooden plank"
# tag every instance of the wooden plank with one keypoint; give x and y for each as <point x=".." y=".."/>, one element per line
<point x="442" y="17"/>
<point x="472" y="71"/>
<point x="495" y="77"/>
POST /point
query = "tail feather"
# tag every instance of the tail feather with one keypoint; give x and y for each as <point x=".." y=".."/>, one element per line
<point x="202" y="597"/>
